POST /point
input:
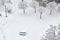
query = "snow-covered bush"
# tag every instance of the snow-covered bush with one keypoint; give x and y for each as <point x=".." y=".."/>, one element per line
<point x="58" y="36"/>
<point x="53" y="33"/>
<point x="34" y="4"/>
<point x="23" y="5"/>
<point x="50" y="33"/>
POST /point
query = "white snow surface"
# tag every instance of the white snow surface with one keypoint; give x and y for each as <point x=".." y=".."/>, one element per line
<point x="29" y="22"/>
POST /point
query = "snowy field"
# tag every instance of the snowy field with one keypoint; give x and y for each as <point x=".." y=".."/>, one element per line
<point x="29" y="22"/>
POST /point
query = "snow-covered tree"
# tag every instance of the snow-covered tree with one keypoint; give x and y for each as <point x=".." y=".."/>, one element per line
<point x="51" y="6"/>
<point x="44" y="3"/>
<point x="50" y="0"/>
<point x="41" y="2"/>
<point x="58" y="7"/>
<point x="3" y="3"/>
<point x="34" y="4"/>
<point x="50" y="33"/>
<point x="41" y="11"/>
<point x="22" y="0"/>
<point x="38" y="0"/>
<point x="23" y="5"/>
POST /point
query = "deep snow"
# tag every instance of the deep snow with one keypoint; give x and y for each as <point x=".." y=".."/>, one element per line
<point x="29" y="22"/>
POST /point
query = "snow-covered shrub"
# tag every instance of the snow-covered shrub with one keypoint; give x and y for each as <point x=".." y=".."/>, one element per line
<point x="58" y="33"/>
<point x="23" y="5"/>
<point x="53" y="33"/>
<point x="50" y="33"/>
<point x="34" y="4"/>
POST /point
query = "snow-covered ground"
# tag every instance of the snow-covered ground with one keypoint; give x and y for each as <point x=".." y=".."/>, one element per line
<point x="29" y="22"/>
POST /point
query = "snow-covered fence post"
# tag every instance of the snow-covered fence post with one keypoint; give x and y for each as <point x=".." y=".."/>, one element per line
<point x="23" y="5"/>
<point x="34" y="4"/>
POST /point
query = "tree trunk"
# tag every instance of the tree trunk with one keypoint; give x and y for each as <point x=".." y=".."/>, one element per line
<point x="24" y="11"/>
<point x="35" y="10"/>
<point x="0" y="14"/>
<point x="5" y="11"/>
<point x="51" y="12"/>
<point x="41" y="15"/>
